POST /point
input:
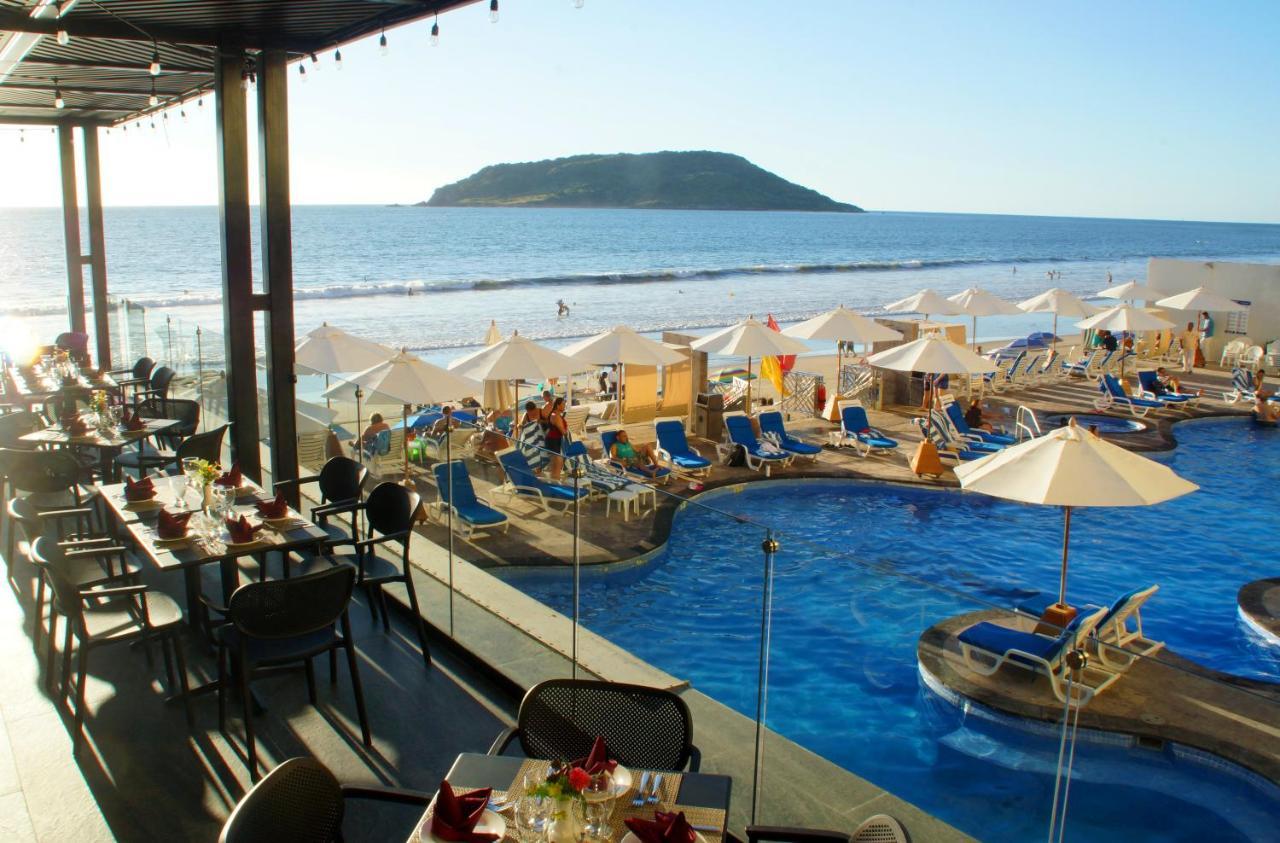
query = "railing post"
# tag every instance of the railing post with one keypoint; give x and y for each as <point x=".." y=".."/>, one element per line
<point x="769" y="547"/>
<point x="204" y="422"/>
<point x="448" y="461"/>
<point x="577" y="563"/>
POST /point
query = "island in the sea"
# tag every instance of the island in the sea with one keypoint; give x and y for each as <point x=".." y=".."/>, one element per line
<point x="704" y="181"/>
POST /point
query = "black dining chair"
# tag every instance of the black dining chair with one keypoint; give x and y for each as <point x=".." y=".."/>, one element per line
<point x="205" y="446"/>
<point x="301" y="800"/>
<point x="140" y="372"/>
<point x="101" y="617"/>
<point x="278" y="623"/>
<point x="50" y="480"/>
<point x="390" y="512"/>
<point x="158" y="384"/>
<point x="645" y="728"/>
<point x="163" y="454"/>
<point x="340" y="483"/>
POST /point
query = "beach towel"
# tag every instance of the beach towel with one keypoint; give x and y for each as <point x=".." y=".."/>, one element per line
<point x="533" y="444"/>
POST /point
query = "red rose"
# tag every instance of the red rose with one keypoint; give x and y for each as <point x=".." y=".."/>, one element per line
<point x="579" y="778"/>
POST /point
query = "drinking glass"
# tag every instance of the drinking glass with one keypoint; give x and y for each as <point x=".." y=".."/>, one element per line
<point x="191" y="471"/>
<point x="598" y="795"/>
<point x="532" y="813"/>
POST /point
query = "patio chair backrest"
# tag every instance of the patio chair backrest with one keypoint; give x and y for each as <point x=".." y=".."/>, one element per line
<point x="1111" y="386"/>
<point x="1252" y="356"/>
<point x="853" y="419"/>
<point x="142" y="368"/>
<point x="293" y="607"/>
<point x="381" y="443"/>
<point x="957" y="418"/>
<point x="299" y="800"/>
<point x="607" y="437"/>
<point x="390" y="508"/>
<point x="205" y="446"/>
<point x="671" y="436"/>
<point x="40" y="471"/>
<point x="740" y="432"/>
<point x="341" y="480"/>
<point x="48" y="555"/>
<point x="942" y="424"/>
<point x="516" y="467"/>
<point x="17" y="424"/>
<point x="161" y="378"/>
<point x="643" y="728"/>
<point x="462" y="493"/>
<point x="771" y="422"/>
<point x="1147" y="379"/>
<point x="1241" y="380"/>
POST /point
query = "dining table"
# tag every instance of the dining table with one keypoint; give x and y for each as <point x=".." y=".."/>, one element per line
<point x="108" y="441"/>
<point x="702" y="797"/>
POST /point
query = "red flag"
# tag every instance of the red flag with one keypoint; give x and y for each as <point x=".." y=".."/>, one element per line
<point x="786" y="361"/>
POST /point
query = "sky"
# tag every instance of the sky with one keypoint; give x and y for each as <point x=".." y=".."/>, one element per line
<point x="1167" y="110"/>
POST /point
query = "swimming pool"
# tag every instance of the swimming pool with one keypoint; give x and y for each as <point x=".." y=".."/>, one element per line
<point x="1110" y="425"/>
<point x="864" y="568"/>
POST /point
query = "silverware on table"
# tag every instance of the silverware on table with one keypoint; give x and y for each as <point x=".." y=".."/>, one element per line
<point x="714" y="829"/>
<point x="655" y="785"/>
<point x="640" y="794"/>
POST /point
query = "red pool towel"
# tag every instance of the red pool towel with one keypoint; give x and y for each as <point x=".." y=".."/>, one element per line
<point x="277" y="508"/>
<point x="172" y="525"/>
<point x="139" y="490"/>
<point x="240" y="530"/>
<point x="456" y="815"/>
<point x="232" y="478"/>
<point x="665" y="828"/>
<point x="597" y="760"/>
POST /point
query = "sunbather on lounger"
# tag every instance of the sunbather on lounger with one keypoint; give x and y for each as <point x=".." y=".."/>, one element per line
<point x="975" y="416"/>
<point x="639" y="457"/>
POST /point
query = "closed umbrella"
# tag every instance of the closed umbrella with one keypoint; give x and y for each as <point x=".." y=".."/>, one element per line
<point x="1059" y="302"/>
<point x="623" y="346"/>
<point x="749" y="338"/>
<point x="925" y="302"/>
<point x="1069" y="467"/>
<point x="976" y="302"/>
<point x="328" y="350"/>
<point x="497" y="394"/>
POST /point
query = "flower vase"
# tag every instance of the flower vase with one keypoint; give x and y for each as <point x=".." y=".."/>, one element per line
<point x="206" y="498"/>
<point x="562" y="825"/>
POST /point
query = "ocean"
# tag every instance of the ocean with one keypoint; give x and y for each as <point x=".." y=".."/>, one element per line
<point x="430" y="279"/>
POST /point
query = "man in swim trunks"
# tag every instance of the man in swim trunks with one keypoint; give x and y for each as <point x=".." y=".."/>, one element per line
<point x="640" y="457"/>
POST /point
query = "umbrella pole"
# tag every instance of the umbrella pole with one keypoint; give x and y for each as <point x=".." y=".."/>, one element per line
<point x="404" y="426"/>
<point x="1066" y="538"/>
<point x="359" y="432"/>
<point x="328" y="402"/>
<point x="974" y="338"/>
<point x="748" y="407"/>
<point x="622" y="383"/>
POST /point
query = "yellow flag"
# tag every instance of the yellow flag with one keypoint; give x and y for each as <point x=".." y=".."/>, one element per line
<point x="772" y="370"/>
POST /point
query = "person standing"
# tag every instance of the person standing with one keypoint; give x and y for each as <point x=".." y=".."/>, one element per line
<point x="1190" y="340"/>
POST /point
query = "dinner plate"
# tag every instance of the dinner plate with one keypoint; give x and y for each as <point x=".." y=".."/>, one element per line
<point x="288" y="522"/>
<point x="621" y="780"/>
<point x="237" y="545"/>
<point x="491" y="822"/>
<point x="630" y="837"/>
<point x="178" y="542"/>
<point x="144" y="506"/>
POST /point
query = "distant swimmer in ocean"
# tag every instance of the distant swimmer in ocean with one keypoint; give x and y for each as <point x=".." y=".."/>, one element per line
<point x="1108" y="279"/>
<point x="1015" y="270"/>
<point x="562" y="309"/>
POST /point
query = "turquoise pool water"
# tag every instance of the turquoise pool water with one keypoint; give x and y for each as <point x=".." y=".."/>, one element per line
<point x="864" y="568"/>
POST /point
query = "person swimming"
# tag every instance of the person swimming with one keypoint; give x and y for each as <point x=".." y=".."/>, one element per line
<point x="562" y="309"/>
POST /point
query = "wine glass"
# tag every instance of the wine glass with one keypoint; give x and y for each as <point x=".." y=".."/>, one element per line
<point x="598" y="798"/>
<point x="191" y="470"/>
<point x="532" y="814"/>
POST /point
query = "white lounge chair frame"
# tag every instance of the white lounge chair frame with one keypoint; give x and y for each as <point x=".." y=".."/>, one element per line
<point x="530" y="493"/>
<point x="1118" y="645"/>
<point x="688" y="473"/>
<point x="753" y="462"/>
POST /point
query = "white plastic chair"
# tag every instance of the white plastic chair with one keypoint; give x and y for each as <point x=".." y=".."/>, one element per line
<point x="1252" y="358"/>
<point x="1231" y="353"/>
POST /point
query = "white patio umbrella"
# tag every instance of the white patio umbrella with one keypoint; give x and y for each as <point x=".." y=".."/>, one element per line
<point x="625" y="347"/>
<point x="976" y="302"/>
<point x="497" y="395"/>
<point x="842" y="325"/>
<point x="310" y="418"/>
<point x="408" y="379"/>
<point x="1131" y="291"/>
<point x="750" y="339"/>
<point x="1125" y="317"/>
<point x="328" y="350"/>
<point x="1059" y="302"/>
<point x="514" y="358"/>
<point x="925" y="302"/>
<point x="1069" y="467"/>
<point x="1201" y="299"/>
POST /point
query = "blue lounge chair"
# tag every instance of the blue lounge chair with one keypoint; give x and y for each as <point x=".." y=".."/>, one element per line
<point x="1002" y="378"/>
<point x="609" y="435"/>
<point x="600" y="479"/>
<point x="1149" y="387"/>
<point x="856" y="430"/>
<point x="774" y="429"/>
<point x="673" y="446"/>
<point x="962" y="426"/>
<point x="955" y="439"/>
<point x="522" y="482"/>
<point x="947" y="447"/>
<point x="759" y="458"/>
<point x="987" y="647"/>
<point x="1112" y="395"/>
<point x="1243" y="388"/>
<point x="1118" y="646"/>
<point x="467" y="508"/>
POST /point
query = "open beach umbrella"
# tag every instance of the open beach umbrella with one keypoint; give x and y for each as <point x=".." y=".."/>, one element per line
<point x="332" y="351"/>
<point x="1131" y="291"/>
<point x="497" y="393"/>
<point x="976" y="302"/>
<point x="408" y="379"/>
<point x="924" y="303"/>
<point x="1201" y="299"/>
<point x="514" y="358"/>
<point x="1125" y="317"/>
<point x="310" y="418"/>
<point x="842" y="325"/>
<point x="750" y="339"/>
<point x="1059" y="302"/>
<point x="623" y="346"/>
<point x="932" y="355"/>
<point x="1070" y="467"/>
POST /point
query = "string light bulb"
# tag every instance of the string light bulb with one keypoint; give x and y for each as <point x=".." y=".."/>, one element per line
<point x="200" y="102"/>
<point x="64" y="38"/>
<point x="155" y="60"/>
<point x="435" y="32"/>
<point x="316" y="66"/>
<point x="58" y="101"/>
<point x="153" y="99"/>
<point x="302" y="71"/>
<point x="382" y="44"/>
<point x="337" y="58"/>
<point x="493" y="11"/>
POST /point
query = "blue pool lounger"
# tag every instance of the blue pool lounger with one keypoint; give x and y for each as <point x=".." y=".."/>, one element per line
<point x="522" y="482"/>
<point x="947" y="446"/>
<point x="1112" y="396"/>
<point x="609" y="435"/>
<point x="1118" y="645"/>
<point x="759" y="458"/>
<point x="673" y="446"/>
<point x="774" y="428"/>
<point x="856" y="430"/>
<point x="987" y="647"/>
<point x="472" y="515"/>
<point x="962" y="427"/>
<point x="1147" y="385"/>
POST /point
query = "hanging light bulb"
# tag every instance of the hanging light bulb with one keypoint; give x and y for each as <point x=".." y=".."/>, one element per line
<point x="435" y="34"/>
<point x="58" y="101"/>
<point x="382" y="44"/>
<point x="302" y="71"/>
<point x="153" y="99"/>
<point x="64" y="38"/>
<point x="337" y="59"/>
<point x="200" y="101"/>
<point x="493" y="11"/>
<point x="315" y="64"/>
<point x="22" y="136"/>
<point x="155" y="60"/>
<point x="182" y="112"/>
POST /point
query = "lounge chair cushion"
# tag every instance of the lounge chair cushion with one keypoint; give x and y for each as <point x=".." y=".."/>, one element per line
<point x="999" y="640"/>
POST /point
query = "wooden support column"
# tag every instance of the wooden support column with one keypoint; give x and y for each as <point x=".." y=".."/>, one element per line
<point x="97" y="249"/>
<point x="71" y="228"/>
<point x="277" y="261"/>
<point x="230" y="117"/>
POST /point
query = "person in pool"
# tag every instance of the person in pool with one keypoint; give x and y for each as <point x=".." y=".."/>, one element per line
<point x="1264" y="410"/>
<point x="640" y="457"/>
<point x="1258" y="388"/>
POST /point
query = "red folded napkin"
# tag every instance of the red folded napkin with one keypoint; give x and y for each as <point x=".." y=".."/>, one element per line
<point x="277" y="508"/>
<point x="139" y="490"/>
<point x="664" y="828"/>
<point x="74" y="425"/>
<point x="232" y="478"/>
<point x="172" y="525"/>
<point x="597" y="760"/>
<point x="240" y="530"/>
<point x="133" y="421"/>
<point x="456" y="815"/>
